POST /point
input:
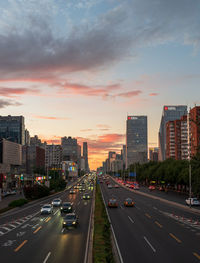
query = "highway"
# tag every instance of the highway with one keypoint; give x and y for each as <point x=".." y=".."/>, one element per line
<point x="27" y="236"/>
<point x="153" y="231"/>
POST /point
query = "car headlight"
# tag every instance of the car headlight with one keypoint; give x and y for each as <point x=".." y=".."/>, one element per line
<point x="64" y="223"/>
<point x="74" y="223"/>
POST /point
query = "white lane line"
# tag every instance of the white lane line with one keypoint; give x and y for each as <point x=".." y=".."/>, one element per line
<point x="78" y="203"/>
<point x="56" y="212"/>
<point x="130" y="219"/>
<point x="48" y="255"/>
<point x="121" y="207"/>
<point x="62" y="230"/>
<point x="1" y="233"/>
<point x="137" y="208"/>
<point x="149" y="244"/>
<point x="5" y="228"/>
<point x="11" y="225"/>
<point x="155" y="208"/>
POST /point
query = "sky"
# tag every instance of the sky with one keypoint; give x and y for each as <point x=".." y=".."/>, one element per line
<point x="79" y="67"/>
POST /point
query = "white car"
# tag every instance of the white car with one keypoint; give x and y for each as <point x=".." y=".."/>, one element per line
<point x="193" y="201"/>
<point x="110" y="186"/>
<point x="56" y="202"/>
<point x="46" y="209"/>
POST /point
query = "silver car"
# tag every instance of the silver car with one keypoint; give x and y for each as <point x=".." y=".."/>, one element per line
<point x="46" y="209"/>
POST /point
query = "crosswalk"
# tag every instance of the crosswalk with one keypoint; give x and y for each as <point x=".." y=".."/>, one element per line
<point x="7" y="227"/>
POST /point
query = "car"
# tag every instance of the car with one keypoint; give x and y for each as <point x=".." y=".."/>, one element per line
<point x="86" y="196"/>
<point x="72" y="191"/>
<point x="46" y="209"/>
<point x="109" y="186"/>
<point x="128" y="202"/>
<point x="136" y="187"/>
<point x="81" y="189"/>
<point x="70" y="220"/>
<point x="112" y="202"/>
<point x="116" y="186"/>
<point x="56" y="202"/>
<point x="192" y="201"/>
<point x="66" y="207"/>
<point x="152" y="187"/>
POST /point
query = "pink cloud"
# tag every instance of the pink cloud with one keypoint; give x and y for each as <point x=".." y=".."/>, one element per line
<point x="49" y="117"/>
<point x="14" y="92"/>
<point x="153" y="94"/>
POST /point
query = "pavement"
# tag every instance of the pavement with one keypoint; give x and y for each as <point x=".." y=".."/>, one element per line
<point x="7" y="199"/>
<point x="153" y="231"/>
<point x="27" y="236"/>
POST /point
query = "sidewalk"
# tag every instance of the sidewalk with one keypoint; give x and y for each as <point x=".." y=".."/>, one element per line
<point x="6" y="200"/>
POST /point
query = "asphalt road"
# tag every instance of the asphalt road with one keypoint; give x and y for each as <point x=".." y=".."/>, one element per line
<point x="27" y="236"/>
<point x="153" y="231"/>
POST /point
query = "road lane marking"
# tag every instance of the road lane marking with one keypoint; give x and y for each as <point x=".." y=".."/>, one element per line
<point x="130" y="219"/>
<point x="49" y="218"/>
<point x="147" y="215"/>
<point x="121" y="207"/>
<point x="158" y="224"/>
<point x="37" y="230"/>
<point x="149" y="244"/>
<point x="196" y="255"/>
<point x="56" y="212"/>
<point x="155" y="208"/>
<point x="21" y="245"/>
<point x="78" y="203"/>
<point x="35" y="226"/>
<point x="48" y="255"/>
<point x="177" y="239"/>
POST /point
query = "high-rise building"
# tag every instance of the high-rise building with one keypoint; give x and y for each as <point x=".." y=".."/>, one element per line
<point x="27" y="137"/>
<point x="12" y="128"/>
<point x="53" y="156"/>
<point x="136" y="140"/>
<point x="194" y="119"/>
<point x="69" y="149"/>
<point x="153" y="154"/>
<point x="85" y="155"/>
<point x="177" y="139"/>
<point x="170" y="113"/>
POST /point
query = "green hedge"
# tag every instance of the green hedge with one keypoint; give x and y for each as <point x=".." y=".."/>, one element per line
<point x="18" y="202"/>
<point x="102" y="248"/>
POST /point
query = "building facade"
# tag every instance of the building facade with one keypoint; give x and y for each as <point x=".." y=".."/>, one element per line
<point x="69" y="149"/>
<point x="170" y="113"/>
<point x="177" y="139"/>
<point x="85" y="155"/>
<point x="136" y="140"/>
<point x="194" y="120"/>
<point x="153" y="154"/>
<point x="12" y="128"/>
<point x="53" y="156"/>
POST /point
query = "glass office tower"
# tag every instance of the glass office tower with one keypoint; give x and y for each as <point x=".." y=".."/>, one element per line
<point x="136" y="140"/>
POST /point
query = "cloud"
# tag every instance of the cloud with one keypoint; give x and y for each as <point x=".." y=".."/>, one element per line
<point x="49" y="117"/>
<point x="153" y="94"/>
<point x="103" y="126"/>
<point x="86" y="130"/>
<point x="6" y="103"/>
<point x="14" y="92"/>
<point x="129" y="94"/>
<point x="86" y="90"/>
<point x="39" y="43"/>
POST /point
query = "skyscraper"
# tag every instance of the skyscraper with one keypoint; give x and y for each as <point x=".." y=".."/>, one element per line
<point x="85" y="155"/>
<point x="12" y="128"/>
<point x="136" y="140"/>
<point x="69" y="149"/>
<point x="170" y="113"/>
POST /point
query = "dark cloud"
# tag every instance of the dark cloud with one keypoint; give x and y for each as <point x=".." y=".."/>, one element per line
<point x="112" y="37"/>
<point x="6" y="103"/>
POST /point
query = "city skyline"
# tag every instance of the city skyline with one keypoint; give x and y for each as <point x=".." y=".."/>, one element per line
<point x="66" y="76"/>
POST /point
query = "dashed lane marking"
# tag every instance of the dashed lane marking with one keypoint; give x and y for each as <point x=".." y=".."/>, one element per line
<point x="49" y="218"/>
<point x="196" y="255"/>
<point x="147" y="215"/>
<point x="174" y="237"/>
<point x="48" y="255"/>
<point x="158" y="224"/>
<point x="149" y="244"/>
<point x="131" y="219"/>
<point x="37" y="230"/>
<point x="21" y="245"/>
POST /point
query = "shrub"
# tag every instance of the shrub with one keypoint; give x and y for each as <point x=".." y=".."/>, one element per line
<point x="18" y="202"/>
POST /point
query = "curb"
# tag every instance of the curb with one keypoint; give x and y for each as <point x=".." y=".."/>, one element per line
<point x="193" y="210"/>
<point x="89" y="244"/>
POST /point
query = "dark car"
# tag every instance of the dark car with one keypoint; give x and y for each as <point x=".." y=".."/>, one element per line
<point x="112" y="202"/>
<point x="66" y="208"/>
<point x="70" y="220"/>
<point x="129" y="202"/>
<point x="86" y="196"/>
